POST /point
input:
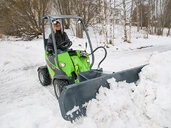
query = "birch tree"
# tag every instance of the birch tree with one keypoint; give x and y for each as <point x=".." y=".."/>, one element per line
<point x="102" y="16"/>
<point x="63" y="7"/>
<point x="124" y="16"/>
<point x="149" y="8"/>
<point x="137" y="15"/>
<point x="130" y="21"/>
<point x="111" y="21"/>
<point x="113" y="33"/>
<point x="105" y="23"/>
<point x="168" y="19"/>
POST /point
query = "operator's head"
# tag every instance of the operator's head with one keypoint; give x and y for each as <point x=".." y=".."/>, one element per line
<point x="56" y="25"/>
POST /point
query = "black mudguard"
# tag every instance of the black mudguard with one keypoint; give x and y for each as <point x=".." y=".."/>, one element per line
<point x="41" y="67"/>
<point x="77" y="95"/>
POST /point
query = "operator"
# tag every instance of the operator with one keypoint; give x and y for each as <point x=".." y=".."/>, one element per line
<point x="62" y="40"/>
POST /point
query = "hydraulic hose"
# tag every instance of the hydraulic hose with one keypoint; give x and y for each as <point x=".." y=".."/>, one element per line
<point x="104" y="55"/>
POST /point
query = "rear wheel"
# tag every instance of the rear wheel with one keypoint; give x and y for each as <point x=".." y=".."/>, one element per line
<point x="58" y="86"/>
<point x="43" y="75"/>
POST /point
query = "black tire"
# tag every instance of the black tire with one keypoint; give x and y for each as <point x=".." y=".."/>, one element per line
<point x="44" y="77"/>
<point x="58" y="86"/>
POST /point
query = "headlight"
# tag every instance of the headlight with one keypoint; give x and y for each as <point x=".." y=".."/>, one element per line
<point x="62" y="65"/>
<point x="88" y="61"/>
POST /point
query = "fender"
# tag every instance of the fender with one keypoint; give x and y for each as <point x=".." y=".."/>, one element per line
<point x="59" y="74"/>
<point x="42" y="67"/>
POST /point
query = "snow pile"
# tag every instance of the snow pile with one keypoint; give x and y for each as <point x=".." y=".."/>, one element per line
<point x="153" y="94"/>
<point x="125" y="105"/>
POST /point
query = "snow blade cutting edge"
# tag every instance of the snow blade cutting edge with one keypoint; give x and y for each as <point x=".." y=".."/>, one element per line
<point x="74" y="97"/>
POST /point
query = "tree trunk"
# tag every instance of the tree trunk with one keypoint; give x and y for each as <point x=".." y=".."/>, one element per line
<point x="124" y="15"/>
<point x="105" y="21"/>
<point x="168" y="33"/>
<point x="141" y="14"/>
<point x="156" y="16"/>
<point x="152" y="15"/>
<point x="130" y="21"/>
<point x="138" y="15"/>
<point x="110" y="21"/>
<point x="159" y="31"/>
<point x="113" y="33"/>
<point x="79" y="31"/>
<point x="67" y="23"/>
<point x="148" y="27"/>
<point x="102" y="18"/>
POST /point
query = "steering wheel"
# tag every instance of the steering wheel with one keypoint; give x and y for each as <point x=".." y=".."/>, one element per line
<point x="65" y="44"/>
<point x="62" y="43"/>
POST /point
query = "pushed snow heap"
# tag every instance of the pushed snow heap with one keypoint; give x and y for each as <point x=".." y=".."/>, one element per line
<point x="129" y="105"/>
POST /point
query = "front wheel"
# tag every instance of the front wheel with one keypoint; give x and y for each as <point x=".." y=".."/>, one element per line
<point x="44" y="78"/>
<point x="58" y="86"/>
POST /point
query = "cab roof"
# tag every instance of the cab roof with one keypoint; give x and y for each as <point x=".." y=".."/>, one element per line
<point x="53" y="17"/>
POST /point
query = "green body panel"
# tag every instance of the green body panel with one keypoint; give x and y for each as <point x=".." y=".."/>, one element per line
<point x="68" y="68"/>
<point x="72" y="63"/>
<point x="80" y="64"/>
<point x="83" y="63"/>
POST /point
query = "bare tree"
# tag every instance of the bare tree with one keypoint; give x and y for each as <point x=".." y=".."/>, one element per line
<point x="137" y="15"/>
<point x="161" y="16"/>
<point x="102" y="16"/>
<point x="168" y="16"/>
<point x="124" y="15"/>
<point x="110" y="20"/>
<point x="169" y="26"/>
<point x="63" y="7"/>
<point x="152" y="16"/>
<point x="23" y="17"/>
<point x="113" y="33"/>
<point x="106" y="20"/>
<point x="149" y="15"/>
<point x="85" y="9"/>
<point x="156" y="15"/>
<point x="130" y="21"/>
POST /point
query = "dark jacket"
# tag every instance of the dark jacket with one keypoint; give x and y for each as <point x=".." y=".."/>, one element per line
<point x="59" y="37"/>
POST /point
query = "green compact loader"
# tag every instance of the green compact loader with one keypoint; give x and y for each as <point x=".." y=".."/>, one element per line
<point x="75" y="82"/>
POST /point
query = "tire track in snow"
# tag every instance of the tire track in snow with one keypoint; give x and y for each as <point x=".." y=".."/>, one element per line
<point x="22" y="89"/>
<point x="50" y="88"/>
<point x="6" y="75"/>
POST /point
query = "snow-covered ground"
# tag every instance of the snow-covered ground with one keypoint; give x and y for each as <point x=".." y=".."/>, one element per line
<point x="25" y="103"/>
<point x="147" y="105"/>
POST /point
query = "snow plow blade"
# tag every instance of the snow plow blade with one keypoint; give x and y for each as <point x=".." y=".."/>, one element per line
<point x="74" y="97"/>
